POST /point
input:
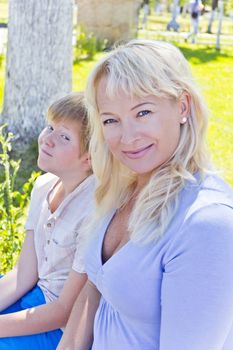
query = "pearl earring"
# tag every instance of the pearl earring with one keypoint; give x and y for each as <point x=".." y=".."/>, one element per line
<point x="184" y="120"/>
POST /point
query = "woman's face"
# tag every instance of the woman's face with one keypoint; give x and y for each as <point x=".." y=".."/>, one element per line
<point x="142" y="133"/>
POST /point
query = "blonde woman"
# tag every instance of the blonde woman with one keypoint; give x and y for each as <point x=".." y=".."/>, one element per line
<point x="160" y="253"/>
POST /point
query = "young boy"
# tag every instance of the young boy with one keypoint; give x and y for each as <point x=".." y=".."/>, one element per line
<point x="36" y="296"/>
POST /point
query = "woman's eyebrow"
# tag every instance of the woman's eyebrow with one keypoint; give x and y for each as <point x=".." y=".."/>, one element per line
<point x="142" y="104"/>
<point x="134" y="107"/>
<point x="106" y="113"/>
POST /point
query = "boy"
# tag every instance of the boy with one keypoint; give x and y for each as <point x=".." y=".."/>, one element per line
<point x="34" y="297"/>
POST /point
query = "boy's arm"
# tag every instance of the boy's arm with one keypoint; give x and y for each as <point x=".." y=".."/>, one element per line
<point x="45" y="317"/>
<point x="78" y="334"/>
<point x="23" y="276"/>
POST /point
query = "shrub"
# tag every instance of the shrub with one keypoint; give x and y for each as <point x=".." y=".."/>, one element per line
<point x="87" y="45"/>
<point x="12" y="204"/>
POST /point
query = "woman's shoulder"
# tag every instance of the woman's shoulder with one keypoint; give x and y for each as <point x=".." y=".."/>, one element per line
<point x="204" y="219"/>
<point x="210" y="207"/>
<point x="210" y="190"/>
<point x="206" y="205"/>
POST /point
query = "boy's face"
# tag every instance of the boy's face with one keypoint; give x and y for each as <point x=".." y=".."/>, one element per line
<point x="59" y="149"/>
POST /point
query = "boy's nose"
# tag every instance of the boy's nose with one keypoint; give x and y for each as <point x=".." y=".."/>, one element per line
<point x="49" y="140"/>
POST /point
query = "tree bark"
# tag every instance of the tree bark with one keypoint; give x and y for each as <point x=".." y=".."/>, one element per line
<point x="39" y="62"/>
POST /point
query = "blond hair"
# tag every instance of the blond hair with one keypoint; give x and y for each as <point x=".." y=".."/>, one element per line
<point x="72" y="107"/>
<point x="140" y="68"/>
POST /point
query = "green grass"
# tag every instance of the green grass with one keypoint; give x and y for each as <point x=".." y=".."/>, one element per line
<point x="3" y="11"/>
<point x="81" y="71"/>
<point x="214" y="73"/>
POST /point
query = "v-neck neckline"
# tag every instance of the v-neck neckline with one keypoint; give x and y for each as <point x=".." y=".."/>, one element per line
<point x="118" y="251"/>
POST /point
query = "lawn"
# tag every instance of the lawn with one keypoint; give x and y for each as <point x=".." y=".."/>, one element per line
<point x="3" y="11"/>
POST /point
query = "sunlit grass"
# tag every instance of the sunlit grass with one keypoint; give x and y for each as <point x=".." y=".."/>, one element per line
<point x="214" y="73"/>
<point x="3" y="11"/>
<point x="81" y="71"/>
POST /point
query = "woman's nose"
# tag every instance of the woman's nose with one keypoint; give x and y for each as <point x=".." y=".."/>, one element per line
<point x="129" y="133"/>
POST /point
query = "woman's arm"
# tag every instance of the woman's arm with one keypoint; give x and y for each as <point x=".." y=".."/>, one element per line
<point x="45" y="317"/>
<point x="78" y="334"/>
<point x="197" y="286"/>
<point x="23" y="276"/>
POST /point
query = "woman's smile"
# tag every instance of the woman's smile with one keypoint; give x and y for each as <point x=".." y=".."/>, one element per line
<point x="139" y="153"/>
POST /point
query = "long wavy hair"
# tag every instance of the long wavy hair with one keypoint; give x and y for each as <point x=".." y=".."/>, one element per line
<point x="140" y="68"/>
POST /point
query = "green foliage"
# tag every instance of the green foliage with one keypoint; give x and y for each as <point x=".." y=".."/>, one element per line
<point x="12" y="204"/>
<point x="228" y="7"/>
<point x="2" y="78"/>
<point x="87" y="45"/>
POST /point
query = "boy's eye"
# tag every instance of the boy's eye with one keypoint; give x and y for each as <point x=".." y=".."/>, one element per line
<point x="143" y="113"/>
<point x="49" y="128"/>
<point x="109" y="121"/>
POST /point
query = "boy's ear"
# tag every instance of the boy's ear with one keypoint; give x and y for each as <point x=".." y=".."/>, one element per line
<point x="86" y="161"/>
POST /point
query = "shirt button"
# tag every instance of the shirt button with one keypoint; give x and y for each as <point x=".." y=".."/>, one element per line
<point x="46" y="259"/>
<point x="48" y="241"/>
<point x="49" y="224"/>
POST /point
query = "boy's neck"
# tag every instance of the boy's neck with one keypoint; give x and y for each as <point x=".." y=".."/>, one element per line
<point x="68" y="185"/>
<point x="63" y="189"/>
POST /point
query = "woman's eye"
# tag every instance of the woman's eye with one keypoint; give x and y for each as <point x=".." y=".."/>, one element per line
<point x="143" y="113"/>
<point x="109" y="121"/>
<point x="65" y="137"/>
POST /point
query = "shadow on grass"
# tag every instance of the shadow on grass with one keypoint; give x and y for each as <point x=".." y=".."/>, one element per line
<point x="203" y="55"/>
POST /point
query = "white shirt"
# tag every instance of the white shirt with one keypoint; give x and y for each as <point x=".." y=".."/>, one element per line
<point x="55" y="234"/>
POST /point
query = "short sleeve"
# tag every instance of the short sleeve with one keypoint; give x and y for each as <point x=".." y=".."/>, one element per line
<point x="197" y="287"/>
<point x="38" y="195"/>
<point x="32" y="210"/>
<point x="78" y="263"/>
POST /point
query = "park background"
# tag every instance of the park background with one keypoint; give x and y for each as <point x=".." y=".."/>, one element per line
<point x="83" y="31"/>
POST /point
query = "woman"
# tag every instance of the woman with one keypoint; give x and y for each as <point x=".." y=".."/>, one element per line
<point x="161" y="245"/>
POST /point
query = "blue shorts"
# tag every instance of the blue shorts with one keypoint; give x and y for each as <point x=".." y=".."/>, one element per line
<point x="41" y="341"/>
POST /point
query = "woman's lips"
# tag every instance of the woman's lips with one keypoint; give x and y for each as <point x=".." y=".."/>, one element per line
<point x="135" y="154"/>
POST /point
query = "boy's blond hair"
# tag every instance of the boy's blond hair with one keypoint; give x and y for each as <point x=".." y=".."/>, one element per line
<point x="72" y="107"/>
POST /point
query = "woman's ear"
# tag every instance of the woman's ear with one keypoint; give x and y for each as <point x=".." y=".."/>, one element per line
<point x="184" y="106"/>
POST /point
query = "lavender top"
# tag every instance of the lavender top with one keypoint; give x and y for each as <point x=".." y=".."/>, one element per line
<point x="176" y="293"/>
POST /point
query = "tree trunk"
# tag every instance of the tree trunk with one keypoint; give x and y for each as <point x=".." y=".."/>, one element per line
<point x="109" y="19"/>
<point x="39" y="62"/>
